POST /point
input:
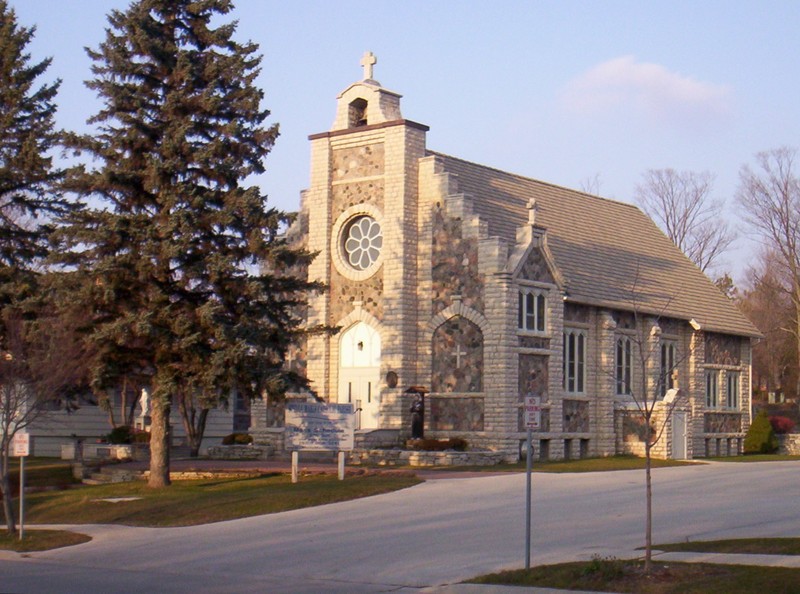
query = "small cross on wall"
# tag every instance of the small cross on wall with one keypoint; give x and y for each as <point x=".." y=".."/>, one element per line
<point x="459" y="353"/>
<point x="368" y="61"/>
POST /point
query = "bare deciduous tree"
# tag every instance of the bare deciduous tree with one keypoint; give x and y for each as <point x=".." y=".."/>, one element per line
<point x="767" y="303"/>
<point x="680" y="202"/>
<point x="770" y="195"/>
<point x="39" y="363"/>
<point x="591" y="184"/>
<point x="646" y="383"/>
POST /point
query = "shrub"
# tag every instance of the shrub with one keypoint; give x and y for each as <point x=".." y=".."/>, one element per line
<point x="781" y="425"/>
<point x="606" y="568"/>
<point x="120" y="435"/>
<point x="760" y="438"/>
<point x="237" y="439"/>
<point x="438" y="445"/>
<point x="140" y="437"/>
<point x="458" y="444"/>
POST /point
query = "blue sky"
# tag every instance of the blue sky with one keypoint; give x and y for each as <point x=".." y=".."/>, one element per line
<point x="561" y="91"/>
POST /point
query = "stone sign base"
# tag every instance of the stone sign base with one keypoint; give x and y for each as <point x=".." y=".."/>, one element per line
<point x="789" y="444"/>
<point x="240" y="452"/>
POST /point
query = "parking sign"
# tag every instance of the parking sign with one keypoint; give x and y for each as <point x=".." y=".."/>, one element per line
<point x="21" y="445"/>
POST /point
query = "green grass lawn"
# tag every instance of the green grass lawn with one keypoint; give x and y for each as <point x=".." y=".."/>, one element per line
<point x="755" y="458"/>
<point x="42" y="473"/>
<point x="609" y="575"/>
<point x="758" y="546"/>
<point x="608" y="463"/>
<point x="188" y="503"/>
<point x="614" y="575"/>
<point x="40" y="540"/>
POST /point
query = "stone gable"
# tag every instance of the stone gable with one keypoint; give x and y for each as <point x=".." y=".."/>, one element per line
<point x="535" y="268"/>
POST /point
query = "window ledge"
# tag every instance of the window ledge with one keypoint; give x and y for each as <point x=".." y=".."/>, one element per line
<point x="533" y="333"/>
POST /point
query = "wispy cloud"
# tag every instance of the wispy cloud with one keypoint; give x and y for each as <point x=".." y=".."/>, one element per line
<point x="650" y="89"/>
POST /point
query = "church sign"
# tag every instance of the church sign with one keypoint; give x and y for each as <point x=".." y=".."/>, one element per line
<point x="319" y="426"/>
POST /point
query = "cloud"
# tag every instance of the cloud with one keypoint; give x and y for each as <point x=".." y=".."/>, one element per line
<point x="650" y="89"/>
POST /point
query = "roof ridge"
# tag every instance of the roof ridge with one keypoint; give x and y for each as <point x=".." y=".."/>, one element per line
<point x="533" y="179"/>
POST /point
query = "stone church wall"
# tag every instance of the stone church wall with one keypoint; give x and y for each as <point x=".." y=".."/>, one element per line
<point x="454" y="265"/>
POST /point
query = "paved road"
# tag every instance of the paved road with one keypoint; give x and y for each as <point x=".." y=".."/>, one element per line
<point x="433" y="534"/>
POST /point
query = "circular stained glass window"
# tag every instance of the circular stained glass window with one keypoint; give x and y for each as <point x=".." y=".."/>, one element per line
<point x="363" y="241"/>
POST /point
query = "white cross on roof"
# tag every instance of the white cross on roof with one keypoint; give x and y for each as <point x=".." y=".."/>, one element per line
<point x="368" y="61"/>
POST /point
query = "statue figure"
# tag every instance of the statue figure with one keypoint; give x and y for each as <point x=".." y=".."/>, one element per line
<point x="417" y="418"/>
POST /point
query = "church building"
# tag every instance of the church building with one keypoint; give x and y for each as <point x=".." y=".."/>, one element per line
<point x="486" y="287"/>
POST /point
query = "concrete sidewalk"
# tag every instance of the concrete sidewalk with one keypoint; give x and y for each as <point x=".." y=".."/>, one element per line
<point x="730" y="559"/>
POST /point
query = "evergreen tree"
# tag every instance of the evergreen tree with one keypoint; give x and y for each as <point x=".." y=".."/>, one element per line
<point x="27" y="204"/>
<point x="189" y="277"/>
<point x="27" y="135"/>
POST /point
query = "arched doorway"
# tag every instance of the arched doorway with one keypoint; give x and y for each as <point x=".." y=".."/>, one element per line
<point x="359" y="371"/>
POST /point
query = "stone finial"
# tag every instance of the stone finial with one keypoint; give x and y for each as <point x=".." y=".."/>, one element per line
<point x="367" y="62"/>
<point x="532" y="211"/>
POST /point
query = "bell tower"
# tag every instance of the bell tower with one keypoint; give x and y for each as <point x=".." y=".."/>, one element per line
<point x="362" y="208"/>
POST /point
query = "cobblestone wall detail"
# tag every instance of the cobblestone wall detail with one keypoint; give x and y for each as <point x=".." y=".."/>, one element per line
<point x="577" y="313"/>
<point x="344" y="293"/>
<point x="457" y="413"/>
<point x="575" y="416"/>
<point x="357" y="161"/>
<point x="535" y="268"/>
<point x="454" y="265"/>
<point x="722" y="349"/>
<point x="354" y="193"/>
<point x="533" y="375"/>
<point x="722" y="422"/>
<point x="457" y="363"/>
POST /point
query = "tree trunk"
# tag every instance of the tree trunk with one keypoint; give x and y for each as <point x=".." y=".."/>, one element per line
<point x="5" y="487"/>
<point x="648" y="544"/>
<point x="797" y="336"/>
<point x="197" y="435"/>
<point x="194" y="423"/>
<point x="159" y="444"/>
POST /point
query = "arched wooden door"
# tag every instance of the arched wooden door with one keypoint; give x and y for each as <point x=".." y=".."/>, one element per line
<point x="359" y="371"/>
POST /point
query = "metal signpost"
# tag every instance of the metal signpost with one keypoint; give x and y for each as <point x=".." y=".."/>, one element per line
<point x="319" y="426"/>
<point x="21" y="447"/>
<point x="533" y="414"/>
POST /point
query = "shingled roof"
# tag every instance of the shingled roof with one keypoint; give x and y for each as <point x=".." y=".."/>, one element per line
<point x="609" y="253"/>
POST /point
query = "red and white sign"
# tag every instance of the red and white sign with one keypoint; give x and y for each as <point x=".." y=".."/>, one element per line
<point x="21" y="445"/>
<point x="533" y="412"/>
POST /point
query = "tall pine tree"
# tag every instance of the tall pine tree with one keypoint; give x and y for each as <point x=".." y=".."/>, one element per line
<point x="27" y="205"/>
<point x="27" y="176"/>
<point x="187" y="272"/>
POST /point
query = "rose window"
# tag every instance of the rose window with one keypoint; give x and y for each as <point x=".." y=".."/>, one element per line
<point x="363" y="241"/>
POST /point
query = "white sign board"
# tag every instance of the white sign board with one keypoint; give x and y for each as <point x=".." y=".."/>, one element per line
<point x="21" y="445"/>
<point x="533" y="412"/>
<point x="319" y="426"/>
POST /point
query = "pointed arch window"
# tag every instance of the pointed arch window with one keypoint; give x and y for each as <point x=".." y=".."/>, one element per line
<point x="666" y="378"/>
<point x="531" y="313"/>
<point x="575" y="361"/>
<point x="624" y="352"/>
